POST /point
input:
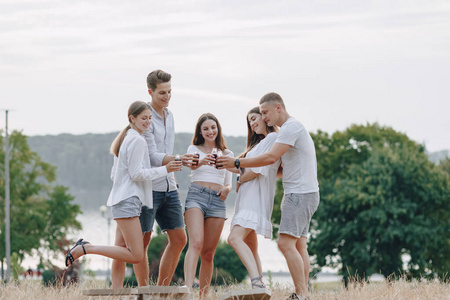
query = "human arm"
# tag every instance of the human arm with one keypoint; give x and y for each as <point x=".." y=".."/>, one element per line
<point x="156" y="158"/>
<point x="135" y="158"/>
<point x="223" y="192"/>
<point x="247" y="176"/>
<point x="268" y="158"/>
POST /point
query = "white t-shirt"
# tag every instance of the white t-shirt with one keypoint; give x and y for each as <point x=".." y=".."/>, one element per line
<point x="210" y="173"/>
<point x="299" y="162"/>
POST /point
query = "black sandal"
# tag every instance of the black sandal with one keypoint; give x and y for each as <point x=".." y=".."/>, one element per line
<point x="256" y="285"/>
<point x="69" y="257"/>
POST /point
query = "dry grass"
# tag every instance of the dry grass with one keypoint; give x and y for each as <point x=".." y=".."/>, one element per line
<point x="380" y="290"/>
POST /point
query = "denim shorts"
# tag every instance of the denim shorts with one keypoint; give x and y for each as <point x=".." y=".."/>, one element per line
<point x="166" y="210"/>
<point x="128" y="208"/>
<point x="206" y="200"/>
<point x="296" y="213"/>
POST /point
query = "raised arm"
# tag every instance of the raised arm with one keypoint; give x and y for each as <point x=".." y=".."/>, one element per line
<point x="275" y="153"/>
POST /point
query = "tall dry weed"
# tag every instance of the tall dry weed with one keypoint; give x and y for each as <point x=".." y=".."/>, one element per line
<point x="395" y="290"/>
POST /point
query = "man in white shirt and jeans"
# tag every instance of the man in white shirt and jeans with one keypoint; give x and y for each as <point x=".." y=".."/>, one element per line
<point x="296" y="149"/>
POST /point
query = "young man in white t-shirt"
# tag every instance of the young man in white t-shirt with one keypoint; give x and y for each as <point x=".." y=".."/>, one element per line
<point x="296" y="149"/>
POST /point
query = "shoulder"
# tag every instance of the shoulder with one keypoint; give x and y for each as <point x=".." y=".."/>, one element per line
<point x="291" y="125"/>
<point x="135" y="137"/>
<point x="192" y="148"/>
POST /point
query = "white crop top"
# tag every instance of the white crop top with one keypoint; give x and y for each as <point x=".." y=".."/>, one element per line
<point x="210" y="173"/>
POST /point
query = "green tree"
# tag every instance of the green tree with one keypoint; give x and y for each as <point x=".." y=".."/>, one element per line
<point x="276" y="214"/>
<point x="41" y="215"/>
<point x="381" y="200"/>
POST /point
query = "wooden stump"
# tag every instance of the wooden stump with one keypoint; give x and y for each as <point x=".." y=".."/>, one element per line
<point x="253" y="294"/>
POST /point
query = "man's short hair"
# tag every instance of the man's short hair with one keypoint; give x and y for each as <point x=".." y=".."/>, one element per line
<point x="157" y="76"/>
<point x="272" y="97"/>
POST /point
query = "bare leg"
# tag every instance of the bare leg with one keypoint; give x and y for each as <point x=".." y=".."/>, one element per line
<point x="212" y="230"/>
<point x="132" y="234"/>
<point x="287" y="245"/>
<point x="118" y="267"/>
<point x="171" y="255"/>
<point x="194" y="223"/>
<point x="141" y="269"/>
<point x="252" y="242"/>
<point x="236" y="240"/>
<point x="302" y="248"/>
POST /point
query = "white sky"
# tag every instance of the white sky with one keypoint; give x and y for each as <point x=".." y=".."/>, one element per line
<point x="75" y="66"/>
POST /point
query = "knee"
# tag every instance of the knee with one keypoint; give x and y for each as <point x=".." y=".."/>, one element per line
<point x="179" y="242"/>
<point x="137" y="257"/>
<point x="208" y="255"/>
<point x="233" y="241"/>
<point x="196" y="245"/>
<point x="284" y="246"/>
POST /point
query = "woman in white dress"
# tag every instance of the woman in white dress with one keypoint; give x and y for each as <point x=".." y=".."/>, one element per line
<point x="254" y="202"/>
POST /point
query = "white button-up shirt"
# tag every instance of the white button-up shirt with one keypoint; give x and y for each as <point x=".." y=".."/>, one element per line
<point x="160" y="138"/>
<point x="132" y="173"/>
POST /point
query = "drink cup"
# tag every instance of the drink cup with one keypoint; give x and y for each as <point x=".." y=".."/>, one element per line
<point x="214" y="154"/>
<point x="197" y="157"/>
<point x="219" y="154"/>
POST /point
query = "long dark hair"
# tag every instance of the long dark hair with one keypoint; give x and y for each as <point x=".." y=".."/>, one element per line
<point x="252" y="137"/>
<point x="134" y="110"/>
<point x="198" y="138"/>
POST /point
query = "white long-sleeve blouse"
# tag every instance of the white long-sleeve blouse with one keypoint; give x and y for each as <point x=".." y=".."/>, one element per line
<point x="132" y="173"/>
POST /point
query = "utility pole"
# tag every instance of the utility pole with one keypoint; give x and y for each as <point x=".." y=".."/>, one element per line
<point x="7" y="205"/>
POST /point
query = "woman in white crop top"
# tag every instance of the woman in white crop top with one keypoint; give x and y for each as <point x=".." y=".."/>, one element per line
<point x="254" y="202"/>
<point x="205" y="210"/>
<point x="132" y="188"/>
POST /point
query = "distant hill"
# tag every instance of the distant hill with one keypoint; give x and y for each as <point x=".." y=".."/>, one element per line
<point x="437" y="156"/>
<point x="84" y="163"/>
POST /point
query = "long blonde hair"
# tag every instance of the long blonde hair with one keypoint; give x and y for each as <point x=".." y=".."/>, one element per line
<point x="134" y="110"/>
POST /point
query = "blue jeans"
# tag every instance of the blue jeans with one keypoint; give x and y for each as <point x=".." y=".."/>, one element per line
<point x="166" y="210"/>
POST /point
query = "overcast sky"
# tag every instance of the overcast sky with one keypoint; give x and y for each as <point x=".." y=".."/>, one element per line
<point x="75" y="66"/>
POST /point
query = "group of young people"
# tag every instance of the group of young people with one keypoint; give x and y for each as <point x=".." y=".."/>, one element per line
<point x="144" y="190"/>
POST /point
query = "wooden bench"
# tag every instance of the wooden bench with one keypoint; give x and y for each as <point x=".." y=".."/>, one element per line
<point x="164" y="292"/>
<point x="253" y="294"/>
<point x="142" y="293"/>
<point x="128" y="294"/>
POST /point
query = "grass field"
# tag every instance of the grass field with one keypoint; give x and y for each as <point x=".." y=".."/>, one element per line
<point x="380" y="290"/>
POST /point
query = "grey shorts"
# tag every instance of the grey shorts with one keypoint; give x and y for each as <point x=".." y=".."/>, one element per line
<point x="206" y="200"/>
<point x="128" y="208"/>
<point x="296" y="213"/>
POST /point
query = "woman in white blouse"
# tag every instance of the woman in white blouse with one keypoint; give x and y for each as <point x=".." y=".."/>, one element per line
<point x="132" y="188"/>
<point x="205" y="211"/>
<point x="254" y="201"/>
